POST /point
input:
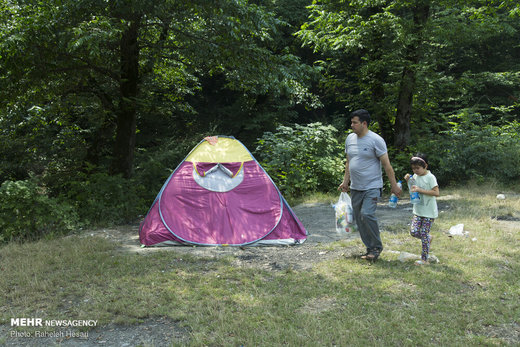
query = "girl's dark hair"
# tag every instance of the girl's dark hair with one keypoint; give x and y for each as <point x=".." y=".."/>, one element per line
<point x="419" y="159"/>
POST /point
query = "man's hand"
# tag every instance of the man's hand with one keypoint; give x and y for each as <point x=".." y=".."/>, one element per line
<point x="385" y="161"/>
<point x="396" y="190"/>
<point x="344" y="187"/>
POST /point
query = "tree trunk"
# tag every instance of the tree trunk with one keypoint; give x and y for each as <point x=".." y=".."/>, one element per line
<point x="124" y="146"/>
<point x="404" y="108"/>
<point x="412" y="56"/>
<point x="377" y="89"/>
<point x="378" y="110"/>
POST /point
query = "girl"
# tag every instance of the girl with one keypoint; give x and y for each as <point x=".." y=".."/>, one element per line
<point x="425" y="211"/>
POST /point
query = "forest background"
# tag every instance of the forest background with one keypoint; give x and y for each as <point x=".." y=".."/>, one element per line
<point x="101" y="100"/>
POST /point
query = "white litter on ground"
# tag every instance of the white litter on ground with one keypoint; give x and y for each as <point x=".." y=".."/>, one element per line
<point x="457" y="230"/>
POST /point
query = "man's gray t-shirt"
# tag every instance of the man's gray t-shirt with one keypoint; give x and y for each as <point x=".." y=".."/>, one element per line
<point x="363" y="157"/>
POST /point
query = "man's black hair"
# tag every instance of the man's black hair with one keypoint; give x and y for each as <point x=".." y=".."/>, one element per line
<point x="362" y="114"/>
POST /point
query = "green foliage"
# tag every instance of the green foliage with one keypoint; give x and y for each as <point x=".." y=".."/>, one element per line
<point x="363" y="45"/>
<point x="472" y="149"/>
<point x="302" y="159"/>
<point x="155" y="166"/>
<point x="100" y="198"/>
<point x="27" y="213"/>
<point x="237" y="68"/>
<point x="400" y="161"/>
<point x="77" y="58"/>
<point x="463" y="54"/>
<point x="37" y="139"/>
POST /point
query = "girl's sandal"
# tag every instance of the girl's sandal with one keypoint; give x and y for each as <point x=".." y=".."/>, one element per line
<point x="421" y="262"/>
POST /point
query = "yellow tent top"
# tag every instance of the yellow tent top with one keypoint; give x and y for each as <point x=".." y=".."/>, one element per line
<point x="219" y="150"/>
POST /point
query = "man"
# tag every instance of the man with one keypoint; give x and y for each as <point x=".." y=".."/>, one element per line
<point x="366" y="153"/>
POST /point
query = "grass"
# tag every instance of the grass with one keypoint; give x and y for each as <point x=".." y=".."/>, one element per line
<point x="314" y="198"/>
<point x="471" y="297"/>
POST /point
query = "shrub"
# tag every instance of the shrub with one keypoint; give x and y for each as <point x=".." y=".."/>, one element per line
<point x="100" y="198"/>
<point x="472" y="151"/>
<point x="27" y="213"/>
<point x="302" y="159"/>
<point x="400" y="161"/>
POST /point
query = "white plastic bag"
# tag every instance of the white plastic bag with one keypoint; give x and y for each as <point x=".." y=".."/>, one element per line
<point x="344" y="215"/>
<point x="457" y="230"/>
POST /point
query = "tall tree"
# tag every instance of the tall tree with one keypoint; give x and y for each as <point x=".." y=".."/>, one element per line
<point x="120" y="56"/>
<point x="383" y="55"/>
<point x="420" y="12"/>
<point x="379" y="44"/>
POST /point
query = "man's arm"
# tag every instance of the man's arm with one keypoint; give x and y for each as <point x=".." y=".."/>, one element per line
<point x="385" y="161"/>
<point x="344" y="186"/>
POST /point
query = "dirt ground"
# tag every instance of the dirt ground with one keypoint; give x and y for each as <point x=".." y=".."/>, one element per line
<point x="319" y="222"/>
<point x="318" y="219"/>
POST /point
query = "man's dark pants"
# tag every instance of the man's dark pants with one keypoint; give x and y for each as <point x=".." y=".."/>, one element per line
<point x="364" y="204"/>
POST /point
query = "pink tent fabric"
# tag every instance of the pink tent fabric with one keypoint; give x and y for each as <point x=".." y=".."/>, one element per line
<point x="252" y="212"/>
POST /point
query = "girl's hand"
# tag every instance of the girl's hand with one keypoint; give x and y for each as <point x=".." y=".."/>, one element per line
<point x="416" y="189"/>
<point x="407" y="177"/>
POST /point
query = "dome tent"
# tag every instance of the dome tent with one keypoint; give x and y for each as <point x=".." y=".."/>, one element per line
<point x="220" y="195"/>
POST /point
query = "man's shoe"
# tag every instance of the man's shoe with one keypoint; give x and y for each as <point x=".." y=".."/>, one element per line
<point x="371" y="255"/>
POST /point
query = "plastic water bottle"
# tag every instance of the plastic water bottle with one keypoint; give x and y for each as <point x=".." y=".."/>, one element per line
<point x="393" y="198"/>
<point x="414" y="196"/>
